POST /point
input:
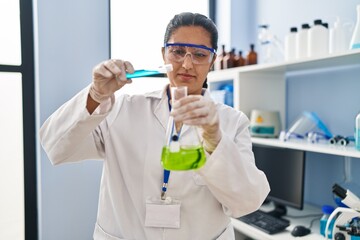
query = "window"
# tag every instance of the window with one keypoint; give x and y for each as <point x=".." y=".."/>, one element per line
<point x="18" y="202"/>
<point x="137" y="32"/>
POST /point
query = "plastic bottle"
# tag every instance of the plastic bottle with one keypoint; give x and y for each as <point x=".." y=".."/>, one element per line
<point x="302" y="41"/>
<point x="339" y="37"/>
<point x="318" y="40"/>
<point x="290" y="44"/>
<point x="327" y="210"/>
<point x="357" y="132"/>
<point x="355" y="40"/>
<point x="251" y="57"/>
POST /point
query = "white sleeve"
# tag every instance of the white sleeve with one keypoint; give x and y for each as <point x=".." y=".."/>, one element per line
<point x="232" y="176"/>
<point x="71" y="134"/>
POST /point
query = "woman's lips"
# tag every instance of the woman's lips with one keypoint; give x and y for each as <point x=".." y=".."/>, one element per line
<point x="185" y="76"/>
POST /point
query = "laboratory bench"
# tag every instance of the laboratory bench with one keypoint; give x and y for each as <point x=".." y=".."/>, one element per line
<point x="256" y="234"/>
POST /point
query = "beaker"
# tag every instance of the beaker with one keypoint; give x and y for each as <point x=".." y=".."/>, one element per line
<point x="183" y="149"/>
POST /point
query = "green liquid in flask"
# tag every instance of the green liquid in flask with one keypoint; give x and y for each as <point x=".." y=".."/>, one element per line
<point x="185" y="159"/>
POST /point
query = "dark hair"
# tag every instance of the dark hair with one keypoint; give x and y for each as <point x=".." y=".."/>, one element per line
<point x="192" y="19"/>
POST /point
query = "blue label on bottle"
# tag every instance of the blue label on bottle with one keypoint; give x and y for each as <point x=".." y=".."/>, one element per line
<point x="355" y="46"/>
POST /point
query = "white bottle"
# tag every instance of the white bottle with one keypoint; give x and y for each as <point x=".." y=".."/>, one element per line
<point x="290" y="44"/>
<point x="302" y="41"/>
<point x="355" y="40"/>
<point x="318" y="40"/>
<point x="339" y="37"/>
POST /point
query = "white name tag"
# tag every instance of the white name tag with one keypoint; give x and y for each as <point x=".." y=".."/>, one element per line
<point x="162" y="213"/>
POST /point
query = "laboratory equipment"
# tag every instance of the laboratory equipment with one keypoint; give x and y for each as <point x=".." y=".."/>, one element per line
<point x="302" y="41"/>
<point x="340" y="35"/>
<point x="307" y="123"/>
<point x="355" y="39"/>
<point x="240" y="60"/>
<point x="357" y="132"/>
<point x="318" y="40"/>
<point x="271" y="48"/>
<point x="346" y="218"/>
<point x="251" y="57"/>
<point x="290" y="44"/>
<point x="327" y="210"/>
<point x="150" y="72"/>
<point x="265" y="123"/>
<point x="183" y="149"/>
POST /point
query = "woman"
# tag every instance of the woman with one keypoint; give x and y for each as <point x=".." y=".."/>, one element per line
<point x="128" y="133"/>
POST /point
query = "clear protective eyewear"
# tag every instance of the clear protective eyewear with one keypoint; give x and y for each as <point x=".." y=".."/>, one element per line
<point x="200" y="54"/>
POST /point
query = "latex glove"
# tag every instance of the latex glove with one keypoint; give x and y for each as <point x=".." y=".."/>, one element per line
<point x="108" y="77"/>
<point x="195" y="110"/>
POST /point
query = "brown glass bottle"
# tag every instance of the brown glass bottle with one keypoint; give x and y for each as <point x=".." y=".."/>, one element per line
<point x="251" y="57"/>
<point x="229" y="59"/>
<point x="239" y="60"/>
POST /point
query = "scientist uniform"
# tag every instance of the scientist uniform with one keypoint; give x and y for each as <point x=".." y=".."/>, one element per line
<point x="129" y="134"/>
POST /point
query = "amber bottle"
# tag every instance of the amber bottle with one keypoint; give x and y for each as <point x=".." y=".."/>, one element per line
<point x="251" y="57"/>
<point x="239" y="60"/>
<point x="229" y="59"/>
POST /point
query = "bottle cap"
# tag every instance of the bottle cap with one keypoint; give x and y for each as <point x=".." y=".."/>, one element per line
<point x="327" y="209"/>
<point x="293" y="29"/>
<point x="317" y="22"/>
<point x="305" y="26"/>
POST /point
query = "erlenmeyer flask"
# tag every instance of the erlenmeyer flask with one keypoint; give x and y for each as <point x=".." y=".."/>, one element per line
<point x="183" y="149"/>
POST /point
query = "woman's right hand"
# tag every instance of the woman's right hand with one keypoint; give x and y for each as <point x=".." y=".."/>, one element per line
<point x="108" y="77"/>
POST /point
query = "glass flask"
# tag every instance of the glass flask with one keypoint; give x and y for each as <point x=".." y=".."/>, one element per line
<point x="183" y="149"/>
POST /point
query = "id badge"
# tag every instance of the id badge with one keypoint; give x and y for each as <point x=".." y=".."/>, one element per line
<point x="162" y="213"/>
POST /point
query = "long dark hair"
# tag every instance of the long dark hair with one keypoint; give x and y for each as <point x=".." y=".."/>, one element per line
<point x="193" y="19"/>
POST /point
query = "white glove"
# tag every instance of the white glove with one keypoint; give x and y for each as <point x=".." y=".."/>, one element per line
<point x="108" y="77"/>
<point x="197" y="111"/>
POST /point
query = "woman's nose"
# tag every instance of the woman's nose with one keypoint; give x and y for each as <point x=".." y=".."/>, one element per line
<point x="188" y="63"/>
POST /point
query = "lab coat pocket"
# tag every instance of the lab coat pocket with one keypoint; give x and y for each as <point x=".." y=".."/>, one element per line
<point x="227" y="234"/>
<point x="198" y="179"/>
<point x="100" y="234"/>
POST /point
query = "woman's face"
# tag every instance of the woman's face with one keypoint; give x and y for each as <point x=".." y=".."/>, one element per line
<point x="186" y="72"/>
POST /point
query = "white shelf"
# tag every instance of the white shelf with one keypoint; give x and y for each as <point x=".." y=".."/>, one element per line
<point x="330" y="61"/>
<point x="348" y="151"/>
<point x="263" y="86"/>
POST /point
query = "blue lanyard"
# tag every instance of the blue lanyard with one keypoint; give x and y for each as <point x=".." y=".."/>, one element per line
<point x="166" y="172"/>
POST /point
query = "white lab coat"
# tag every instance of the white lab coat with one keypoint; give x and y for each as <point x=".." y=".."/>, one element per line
<point x="129" y="133"/>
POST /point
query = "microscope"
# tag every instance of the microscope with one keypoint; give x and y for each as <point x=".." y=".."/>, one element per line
<point x="347" y="220"/>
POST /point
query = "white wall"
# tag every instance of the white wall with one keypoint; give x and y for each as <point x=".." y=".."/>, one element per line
<point x="73" y="37"/>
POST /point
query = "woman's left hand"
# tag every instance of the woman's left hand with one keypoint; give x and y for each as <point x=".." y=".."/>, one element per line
<point x="197" y="111"/>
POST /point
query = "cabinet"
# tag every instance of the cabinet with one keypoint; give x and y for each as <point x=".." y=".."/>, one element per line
<point x="264" y="87"/>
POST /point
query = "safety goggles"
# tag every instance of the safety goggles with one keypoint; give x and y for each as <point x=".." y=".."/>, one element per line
<point x="200" y="54"/>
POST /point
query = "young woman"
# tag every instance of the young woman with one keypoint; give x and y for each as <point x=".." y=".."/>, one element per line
<point x="128" y="133"/>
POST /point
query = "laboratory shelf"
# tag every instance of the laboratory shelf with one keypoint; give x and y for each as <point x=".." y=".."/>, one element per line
<point x="263" y="86"/>
<point x="329" y="61"/>
<point x="346" y="151"/>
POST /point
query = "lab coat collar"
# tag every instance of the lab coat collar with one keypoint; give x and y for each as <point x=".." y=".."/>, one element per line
<point x="161" y="110"/>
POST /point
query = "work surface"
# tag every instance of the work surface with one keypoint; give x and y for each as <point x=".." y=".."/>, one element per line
<point x="285" y="235"/>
